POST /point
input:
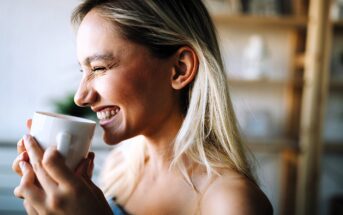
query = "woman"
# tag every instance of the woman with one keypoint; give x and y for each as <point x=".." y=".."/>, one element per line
<point x="152" y="72"/>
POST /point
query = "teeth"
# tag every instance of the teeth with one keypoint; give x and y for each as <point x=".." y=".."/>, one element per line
<point x="107" y="114"/>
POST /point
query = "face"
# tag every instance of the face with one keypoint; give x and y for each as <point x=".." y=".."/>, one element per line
<point x="122" y="82"/>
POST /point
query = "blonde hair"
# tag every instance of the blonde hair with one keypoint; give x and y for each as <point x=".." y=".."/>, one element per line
<point x="209" y="135"/>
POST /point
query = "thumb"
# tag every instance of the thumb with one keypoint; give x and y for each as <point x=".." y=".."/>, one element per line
<point x="85" y="168"/>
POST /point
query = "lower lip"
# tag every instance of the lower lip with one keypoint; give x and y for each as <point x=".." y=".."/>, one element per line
<point x="107" y="122"/>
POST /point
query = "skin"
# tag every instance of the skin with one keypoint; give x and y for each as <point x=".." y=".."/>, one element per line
<point x="120" y="73"/>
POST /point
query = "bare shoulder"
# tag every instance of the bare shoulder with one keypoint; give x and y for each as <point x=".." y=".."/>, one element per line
<point x="235" y="194"/>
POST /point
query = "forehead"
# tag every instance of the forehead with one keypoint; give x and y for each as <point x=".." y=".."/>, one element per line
<point x="93" y="20"/>
<point x="96" y="34"/>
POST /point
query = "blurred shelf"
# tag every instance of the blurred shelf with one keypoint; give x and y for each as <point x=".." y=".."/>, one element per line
<point x="272" y="21"/>
<point x="338" y="23"/>
<point x="336" y="85"/>
<point x="264" y="82"/>
<point x="335" y="147"/>
<point x="271" y="145"/>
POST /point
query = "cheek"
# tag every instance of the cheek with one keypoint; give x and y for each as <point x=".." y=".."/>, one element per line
<point x="122" y="89"/>
<point x="138" y="92"/>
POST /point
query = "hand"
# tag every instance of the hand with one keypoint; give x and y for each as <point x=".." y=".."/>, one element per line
<point x="21" y="151"/>
<point x="59" y="190"/>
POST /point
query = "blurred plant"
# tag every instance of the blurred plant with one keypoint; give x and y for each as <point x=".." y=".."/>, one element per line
<point x="67" y="106"/>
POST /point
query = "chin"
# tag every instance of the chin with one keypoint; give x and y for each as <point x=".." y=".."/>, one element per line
<point x="111" y="139"/>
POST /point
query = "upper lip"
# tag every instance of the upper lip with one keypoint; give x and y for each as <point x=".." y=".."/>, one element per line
<point x="100" y="108"/>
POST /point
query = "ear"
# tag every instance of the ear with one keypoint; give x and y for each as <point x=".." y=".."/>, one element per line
<point x="185" y="67"/>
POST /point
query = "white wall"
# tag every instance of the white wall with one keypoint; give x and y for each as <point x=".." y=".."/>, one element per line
<point x="37" y="59"/>
<point x="37" y="65"/>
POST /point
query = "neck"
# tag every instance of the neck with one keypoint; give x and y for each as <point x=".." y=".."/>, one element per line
<point x="161" y="141"/>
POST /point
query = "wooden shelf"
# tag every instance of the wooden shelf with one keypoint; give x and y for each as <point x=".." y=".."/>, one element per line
<point x="271" y="145"/>
<point x="336" y="85"/>
<point x="338" y="23"/>
<point x="272" y="21"/>
<point x="279" y="145"/>
<point x="333" y="147"/>
<point x="264" y="82"/>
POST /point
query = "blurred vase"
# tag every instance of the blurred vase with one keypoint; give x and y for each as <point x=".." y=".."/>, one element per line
<point x="337" y="10"/>
<point x="263" y="7"/>
<point x="255" y="58"/>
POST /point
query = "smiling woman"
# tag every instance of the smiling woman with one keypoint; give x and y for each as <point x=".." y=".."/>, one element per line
<point x="152" y="72"/>
<point x="122" y="77"/>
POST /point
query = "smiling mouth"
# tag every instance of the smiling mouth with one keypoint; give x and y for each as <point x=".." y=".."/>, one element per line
<point x="107" y="113"/>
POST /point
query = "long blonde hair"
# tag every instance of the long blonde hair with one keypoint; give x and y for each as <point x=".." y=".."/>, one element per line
<point x="209" y="135"/>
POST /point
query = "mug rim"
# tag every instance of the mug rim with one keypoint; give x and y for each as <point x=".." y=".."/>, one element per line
<point x="65" y="117"/>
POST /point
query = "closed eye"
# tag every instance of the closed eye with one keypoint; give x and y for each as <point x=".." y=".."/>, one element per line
<point x="98" y="69"/>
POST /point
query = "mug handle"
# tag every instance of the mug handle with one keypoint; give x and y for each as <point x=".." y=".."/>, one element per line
<point x="63" y="140"/>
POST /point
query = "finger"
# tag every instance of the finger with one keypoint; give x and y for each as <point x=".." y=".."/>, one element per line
<point x="91" y="167"/>
<point x="27" y="189"/>
<point x="34" y="151"/>
<point x="29" y="123"/>
<point x="15" y="165"/>
<point x="85" y="167"/>
<point x="20" y="146"/>
<point x="29" y="209"/>
<point x="48" y="184"/>
<point x="35" y="154"/>
<point x="55" y="166"/>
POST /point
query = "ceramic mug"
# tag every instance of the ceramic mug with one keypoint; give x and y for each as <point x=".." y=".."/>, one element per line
<point x="72" y="135"/>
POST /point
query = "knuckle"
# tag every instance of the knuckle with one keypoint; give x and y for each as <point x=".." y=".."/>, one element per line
<point x="76" y="190"/>
<point x="46" y="161"/>
<point x="56" y="202"/>
<point x="15" y="164"/>
<point x="49" y="157"/>
<point x="18" y="192"/>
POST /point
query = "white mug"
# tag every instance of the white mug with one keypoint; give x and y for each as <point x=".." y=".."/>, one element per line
<point x="72" y="135"/>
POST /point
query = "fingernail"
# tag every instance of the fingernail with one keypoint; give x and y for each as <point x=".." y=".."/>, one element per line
<point x="21" y="157"/>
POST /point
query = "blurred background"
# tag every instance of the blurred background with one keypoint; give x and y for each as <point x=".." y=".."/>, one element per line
<point x="285" y="70"/>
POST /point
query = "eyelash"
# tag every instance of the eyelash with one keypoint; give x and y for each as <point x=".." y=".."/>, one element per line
<point x="95" y="69"/>
<point x="98" y="69"/>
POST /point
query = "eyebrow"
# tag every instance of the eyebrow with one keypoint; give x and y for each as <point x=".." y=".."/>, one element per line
<point x="105" y="57"/>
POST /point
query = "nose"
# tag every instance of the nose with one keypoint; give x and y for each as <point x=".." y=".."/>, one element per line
<point x="85" y="95"/>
